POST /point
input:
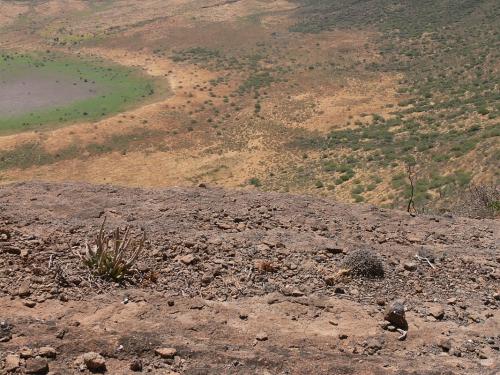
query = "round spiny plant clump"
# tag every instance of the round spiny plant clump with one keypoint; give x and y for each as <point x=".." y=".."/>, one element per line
<point x="364" y="263"/>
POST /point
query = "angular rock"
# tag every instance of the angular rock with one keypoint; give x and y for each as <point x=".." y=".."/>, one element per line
<point x="24" y="290"/>
<point x="261" y="336"/>
<point x="445" y="344"/>
<point x="60" y="335"/>
<point x="5" y="329"/>
<point x="25" y="353"/>
<point x="437" y="312"/>
<point x="47" y="352"/>
<point x="207" y="278"/>
<point x="395" y="314"/>
<point x="243" y="316"/>
<point x="94" y="361"/>
<point x="29" y="303"/>
<point x="136" y="365"/>
<point x="410" y="266"/>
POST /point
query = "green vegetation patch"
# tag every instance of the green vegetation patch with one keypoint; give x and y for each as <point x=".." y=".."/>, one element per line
<point x="447" y="112"/>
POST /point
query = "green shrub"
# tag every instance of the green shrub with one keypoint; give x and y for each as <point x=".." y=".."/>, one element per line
<point x="255" y="182"/>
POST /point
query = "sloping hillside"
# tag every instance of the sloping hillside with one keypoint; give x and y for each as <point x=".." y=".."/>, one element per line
<point x="329" y="98"/>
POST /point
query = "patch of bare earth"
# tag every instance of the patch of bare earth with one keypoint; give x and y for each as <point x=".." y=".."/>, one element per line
<point x="201" y="289"/>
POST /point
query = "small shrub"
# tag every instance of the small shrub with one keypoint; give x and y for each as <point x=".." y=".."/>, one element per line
<point x="483" y="111"/>
<point x="255" y="182"/>
<point x="113" y="255"/>
<point x="364" y="263"/>
<point x="480" y="201"/>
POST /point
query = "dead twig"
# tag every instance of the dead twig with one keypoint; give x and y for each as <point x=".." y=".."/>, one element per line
<point x="411" y="202"/>
<point x="422" y="259"/>
<point x="403" y="334"/>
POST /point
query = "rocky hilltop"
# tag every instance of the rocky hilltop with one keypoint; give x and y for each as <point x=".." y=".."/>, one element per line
<point x="243" y="282"/>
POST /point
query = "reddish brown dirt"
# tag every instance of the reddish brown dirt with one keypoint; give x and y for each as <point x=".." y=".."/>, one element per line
<point x="222" y="312"/>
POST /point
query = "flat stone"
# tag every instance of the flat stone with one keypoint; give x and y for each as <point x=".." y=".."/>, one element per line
<point x="262" y="248"/>
<point x="297" y="293"/>
<point x="14" y="250"/>
<point x="11" y="362"/>
<point x="333" y="248"/>
<point x="188" y="259"/>
<point x="36" y="366"/>
<point x="166" y="353"/>
<point x="47" y="352"/>
<point x="90" y="213"/>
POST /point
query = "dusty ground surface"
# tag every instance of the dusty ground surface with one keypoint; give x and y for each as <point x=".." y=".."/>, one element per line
<point x="32" y="91"/>
<point x="201" y="287"/>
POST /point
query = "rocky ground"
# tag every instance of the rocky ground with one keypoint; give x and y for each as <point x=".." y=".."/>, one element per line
<point x="242" y="282"/>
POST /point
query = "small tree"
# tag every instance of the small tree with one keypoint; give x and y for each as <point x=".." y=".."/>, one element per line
<point x="410" y="171"/>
